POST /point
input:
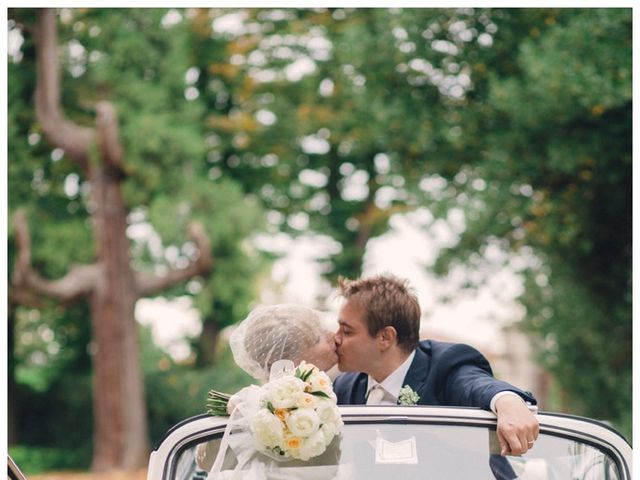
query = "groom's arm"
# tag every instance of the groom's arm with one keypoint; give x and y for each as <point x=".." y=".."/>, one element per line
<point x="468" y="381"/>
<point x="464" y="377"/>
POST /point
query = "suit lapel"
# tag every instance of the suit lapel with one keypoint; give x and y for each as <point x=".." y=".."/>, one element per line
<point x="359" y="389"/>
<point x="416" y="377"/>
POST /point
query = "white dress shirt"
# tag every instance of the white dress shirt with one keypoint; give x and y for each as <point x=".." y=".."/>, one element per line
<point x="392" y="384"/>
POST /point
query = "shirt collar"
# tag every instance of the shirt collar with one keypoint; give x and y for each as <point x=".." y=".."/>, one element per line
<point x="393" y="383"/>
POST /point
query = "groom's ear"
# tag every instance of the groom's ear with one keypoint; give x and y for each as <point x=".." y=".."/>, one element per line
<point x="387" y="337"/>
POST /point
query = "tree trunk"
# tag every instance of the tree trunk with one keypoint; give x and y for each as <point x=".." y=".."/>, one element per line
<point x="208" y="343"/>
<point x="120" y="436"/>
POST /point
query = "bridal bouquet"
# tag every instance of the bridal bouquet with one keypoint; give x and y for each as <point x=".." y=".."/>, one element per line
<point x="297" y="416"/>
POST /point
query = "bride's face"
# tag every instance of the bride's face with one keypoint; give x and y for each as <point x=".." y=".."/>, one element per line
<point x="322" y="354"/>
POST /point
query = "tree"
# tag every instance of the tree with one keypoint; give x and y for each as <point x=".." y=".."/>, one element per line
<point x="110" y="284"/>
<point x="546" y="168"/>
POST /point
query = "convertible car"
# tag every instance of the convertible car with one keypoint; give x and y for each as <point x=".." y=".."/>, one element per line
<point x="404" y="443"/>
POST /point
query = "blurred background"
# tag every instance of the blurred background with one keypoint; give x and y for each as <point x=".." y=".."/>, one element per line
<point x="170" y="169"/>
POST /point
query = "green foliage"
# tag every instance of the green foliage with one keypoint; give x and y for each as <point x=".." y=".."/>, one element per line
<point x="355" y="105"/>
<point x="571" y="326"/>
<point x="229" y="217"/>
<point x="45" y="441"/>
<point x="572" y="70"/>
<point x="555" y="156"/>
<point x="176" y="392"/>
<point x="36" y="460"/>
<point x="46" y="345"/>
<point x="135" y="61"/>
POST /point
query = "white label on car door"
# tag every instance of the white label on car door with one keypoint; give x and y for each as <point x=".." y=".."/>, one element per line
<point x="403" y="451"/>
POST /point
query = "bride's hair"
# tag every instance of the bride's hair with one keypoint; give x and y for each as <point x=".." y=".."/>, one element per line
<point x="271" y="333"/>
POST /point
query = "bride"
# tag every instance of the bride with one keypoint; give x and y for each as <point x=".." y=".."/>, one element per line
<point x="269" y="334"/>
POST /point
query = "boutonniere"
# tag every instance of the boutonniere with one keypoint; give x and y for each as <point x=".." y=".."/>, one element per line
<point x="408" y="396"/>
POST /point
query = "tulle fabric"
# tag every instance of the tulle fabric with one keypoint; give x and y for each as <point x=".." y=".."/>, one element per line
<point x="274" y="332"/>
<point x="237" y="437"/>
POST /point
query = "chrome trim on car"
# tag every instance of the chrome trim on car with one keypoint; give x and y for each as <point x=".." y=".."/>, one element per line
<point x="13" y="472"/>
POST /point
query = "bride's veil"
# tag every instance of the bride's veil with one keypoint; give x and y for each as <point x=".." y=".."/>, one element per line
<point x="272" y="333"/>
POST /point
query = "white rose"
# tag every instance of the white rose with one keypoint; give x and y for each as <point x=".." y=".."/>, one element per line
<point x="312" y="446"/>
<point x="282" y="392"/>
<point x="267" y="429"/>
<point x="305" y="400"/>
<point x="320" y="381"/>
<point x="292" y="444"/>
<point x="328" y="412"/>
<point x="303" y="422"/>
<point x="329" y="431"/>
<point x="332" y="396"/>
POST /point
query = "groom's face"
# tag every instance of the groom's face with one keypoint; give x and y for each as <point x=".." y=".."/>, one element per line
<point x="356" y="348"/>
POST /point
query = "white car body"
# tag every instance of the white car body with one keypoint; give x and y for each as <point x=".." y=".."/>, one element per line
<point x="443" y="442"/>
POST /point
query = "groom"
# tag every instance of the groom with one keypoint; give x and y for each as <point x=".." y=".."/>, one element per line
<point x="377" y="343"/>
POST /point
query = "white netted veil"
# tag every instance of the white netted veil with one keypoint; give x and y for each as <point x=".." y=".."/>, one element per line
<point x="271" y="333"/>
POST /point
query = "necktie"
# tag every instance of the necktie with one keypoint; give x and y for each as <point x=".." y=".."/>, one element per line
<point x="375" y="395"/>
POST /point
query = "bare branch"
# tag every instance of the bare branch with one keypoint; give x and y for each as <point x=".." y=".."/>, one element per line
<point x="79" y="282"/>
<point x="19" y="296"/>
<point x="150" y="284"/>
<point x="73" y="139"/>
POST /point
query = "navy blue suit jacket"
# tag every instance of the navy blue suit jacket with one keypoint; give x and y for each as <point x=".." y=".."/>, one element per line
<point x="442" y="374"/>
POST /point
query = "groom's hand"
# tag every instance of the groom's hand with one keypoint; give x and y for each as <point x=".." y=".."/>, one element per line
<point x="518" y="427"/>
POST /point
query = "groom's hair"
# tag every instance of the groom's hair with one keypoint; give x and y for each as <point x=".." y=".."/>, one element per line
<point x="386" y="301"/>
